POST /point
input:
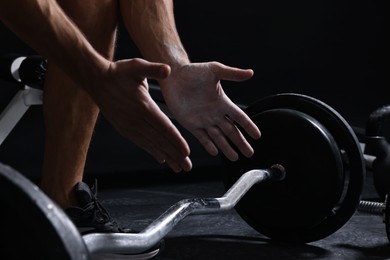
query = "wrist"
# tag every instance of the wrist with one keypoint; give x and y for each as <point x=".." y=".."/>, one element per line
<point x="90" y="79"/>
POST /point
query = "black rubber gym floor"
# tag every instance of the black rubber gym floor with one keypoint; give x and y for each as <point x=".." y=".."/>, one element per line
<point x="225" y="235"/>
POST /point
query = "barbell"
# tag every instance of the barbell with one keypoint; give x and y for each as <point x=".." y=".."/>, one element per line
<point x="303" y="184"/>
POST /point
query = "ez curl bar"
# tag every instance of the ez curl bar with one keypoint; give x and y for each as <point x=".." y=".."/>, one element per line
<point x="52" y="235"/>
<point x="315" y="171"/>
<point x="308" y="153"/>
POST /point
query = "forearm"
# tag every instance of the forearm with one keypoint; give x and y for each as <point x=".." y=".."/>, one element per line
<point x="45" y="27"/>
<point x="151" y="25"/>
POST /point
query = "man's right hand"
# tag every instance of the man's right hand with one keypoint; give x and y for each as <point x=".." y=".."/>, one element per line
<point x="123" y="97"/>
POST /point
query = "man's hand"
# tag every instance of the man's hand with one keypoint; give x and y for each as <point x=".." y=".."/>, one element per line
<point x="124" y="100"/>
<point x="195" y="97"/>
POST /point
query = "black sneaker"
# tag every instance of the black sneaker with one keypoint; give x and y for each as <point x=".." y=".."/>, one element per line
<point x="92" y="217"/>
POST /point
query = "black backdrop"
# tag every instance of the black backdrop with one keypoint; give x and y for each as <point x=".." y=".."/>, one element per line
<point x="328" y="49"/>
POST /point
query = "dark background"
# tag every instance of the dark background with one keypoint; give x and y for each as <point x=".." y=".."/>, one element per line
<point x="331" y="50"/>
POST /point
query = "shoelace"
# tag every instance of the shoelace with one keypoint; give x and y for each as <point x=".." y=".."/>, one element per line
<point x="96" y="209"/>
<point x="98" y="213"/>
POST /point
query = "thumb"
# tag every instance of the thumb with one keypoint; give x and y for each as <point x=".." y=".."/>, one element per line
<point x="154" y="70"/>
<point x="231" y="73"/>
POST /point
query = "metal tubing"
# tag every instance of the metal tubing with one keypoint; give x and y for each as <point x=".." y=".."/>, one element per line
<point x="12" y="114"/>
<point x="15" y="110"/>
<point x="131" y="243"/>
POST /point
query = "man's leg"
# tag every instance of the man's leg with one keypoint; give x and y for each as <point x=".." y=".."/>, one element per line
<point x="70" y="114"/>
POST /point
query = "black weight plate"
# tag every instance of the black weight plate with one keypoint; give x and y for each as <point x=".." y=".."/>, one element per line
<point x="33" y="227"/>
<point x="322" y="222"/>
<point x="280" y="209"/>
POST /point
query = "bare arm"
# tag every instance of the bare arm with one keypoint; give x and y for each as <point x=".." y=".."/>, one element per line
<point x="193" y="91"/>
<point x="46" y="28"/>
<point x="118" y="88"/>
<point x="151" y="25"/>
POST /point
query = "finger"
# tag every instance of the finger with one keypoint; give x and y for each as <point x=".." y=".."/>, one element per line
<point x="157" y="147"/>
<point x="236" y="137"/>
<point x="145" y="69"/>
<point x="170" y="146"/>
<point x="186" y="165"/>
<point x="241" y="118"/>
<point x="160" y="137"/>
<point x="144" y="141"/>
<point x="231" y="73"/>
<point x="177" y="167"/>
<point x="205" y="140"/>
<point x="174" y="166"/>
<point x="169" y="136"/>
<point x="221" y="142"/>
